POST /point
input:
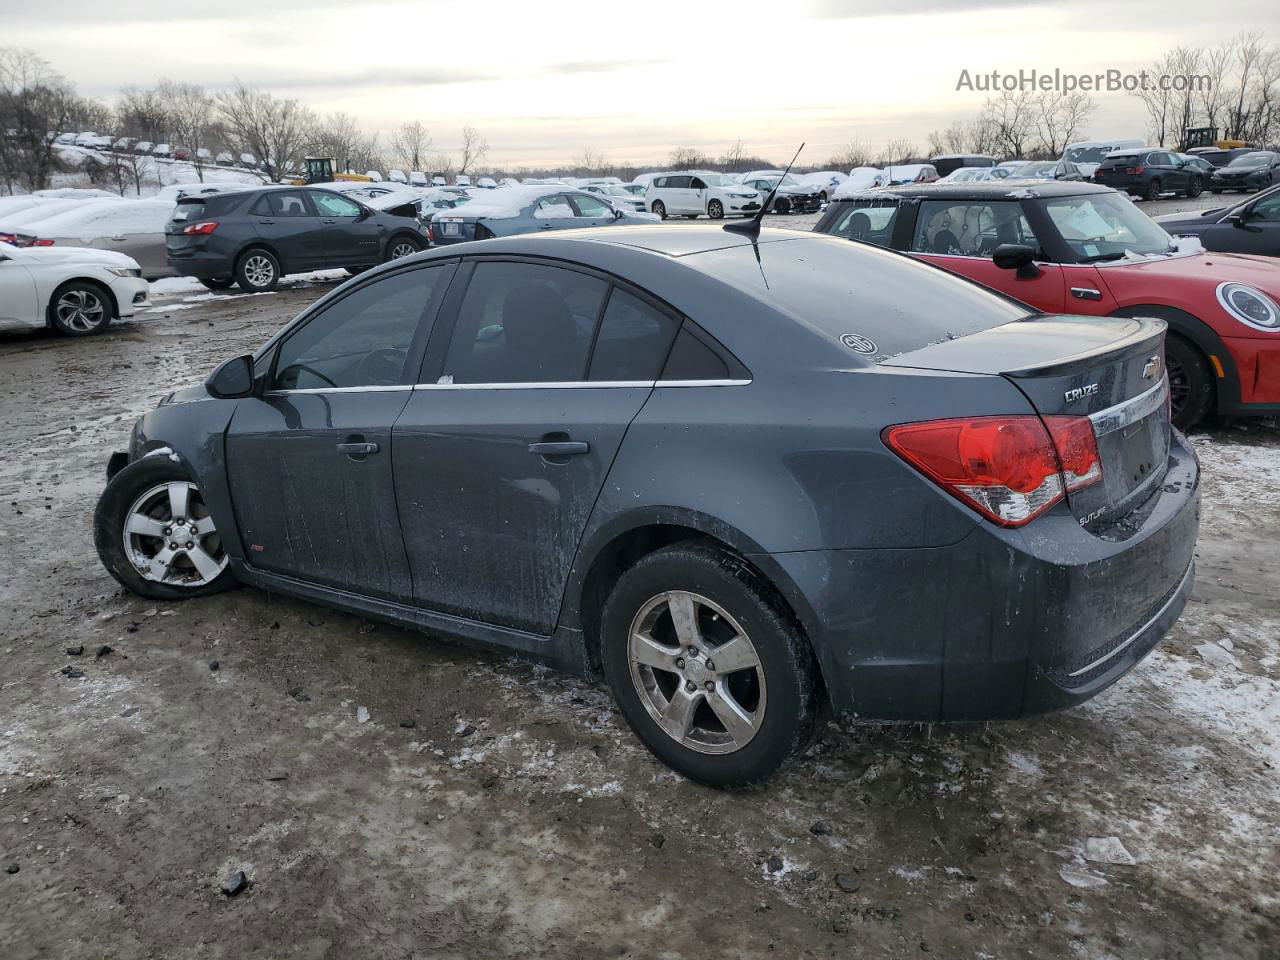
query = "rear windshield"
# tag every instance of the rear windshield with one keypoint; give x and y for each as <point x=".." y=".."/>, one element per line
<point x="1123" y="160"/>
<point x="198" y="208"/>
<point x="871" y="302"/>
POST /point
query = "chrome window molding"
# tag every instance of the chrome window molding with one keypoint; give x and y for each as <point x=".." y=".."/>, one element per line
<point x="369" y="389"/>
<point x="1131" y="410"/>
<point x="581" y="385"/>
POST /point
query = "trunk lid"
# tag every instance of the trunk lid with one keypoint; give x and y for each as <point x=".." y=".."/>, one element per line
<point x="1110" y="370"/>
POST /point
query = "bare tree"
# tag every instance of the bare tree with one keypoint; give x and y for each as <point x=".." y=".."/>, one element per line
<point x="338" y="135"/>
<point x="733" y="159"/>
<point x="590" y="162"/>
<point x="1011" y="120"/>
<point x="276" y="130"/>
<point x="143" y="113"/>
<point x="855" y="153"/>
<point x="1215" y="95"/>
<point x="36" y="104"/>
<point x="1250" y="52"/>
<point x="897" y="151"/>
<point x="1060" y="118"/>
<point x="687" y="158"/>
<point x="474" y="149"/>
<point x="410" y="144"/>
<point x="190" y="113"/>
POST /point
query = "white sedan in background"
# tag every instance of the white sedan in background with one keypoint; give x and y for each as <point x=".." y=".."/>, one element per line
<point x="132" y="227"/>
<point x="73" y="290"/>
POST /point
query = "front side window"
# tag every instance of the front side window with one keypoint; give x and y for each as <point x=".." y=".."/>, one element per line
<point x="281" y="203"/>
<point x="524" y="323"/>
<point x="1268" y="208"/>
<point x="591" y="207"/>
<point x="332" y="205"/>
<point x="869" y="223"/>
<point x="970" y="228"/>
<point x="361" y="340"/>
<point x="553" y="208"/>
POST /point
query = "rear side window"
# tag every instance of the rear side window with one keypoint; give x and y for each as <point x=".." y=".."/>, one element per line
<point x="693" y="359"/>
<point x="281" y="203"/>
<point x="970" y="229"/>
<point x="634" y="340"/>
<point x="524" y="323"/>
<point x="363" y="339"/>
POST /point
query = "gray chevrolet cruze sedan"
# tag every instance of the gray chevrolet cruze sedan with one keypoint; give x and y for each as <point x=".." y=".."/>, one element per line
<point x="743" y="478"/>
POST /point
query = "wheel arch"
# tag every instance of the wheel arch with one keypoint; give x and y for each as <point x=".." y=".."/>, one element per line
<point x="260" y="244"/>
<point x="1204" y="338"/>
<point x="402" y="233"/>
<point x="105" y="288"/>
<point x="607" y="554"/>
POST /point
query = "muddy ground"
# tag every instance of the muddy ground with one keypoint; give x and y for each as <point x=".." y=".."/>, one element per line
<point x="390" y="795"/>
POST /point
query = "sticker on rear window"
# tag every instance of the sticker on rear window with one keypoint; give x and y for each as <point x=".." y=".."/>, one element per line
<point x="858" y="343"/>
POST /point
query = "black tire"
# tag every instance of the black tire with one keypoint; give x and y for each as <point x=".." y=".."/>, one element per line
<point x="399" y="243"/>
<point x="1195" y="188"/>
<point x="781" y="205"/>
<point x="788" y="694"/>
<point x="115" y="506"/>
<point x="355" y="271"/>
<point x="79" y="308"/>
<point x="257" y="269"/>
<point x="659" y="209"/>
<point x="822" y="197"/>
<point x="1190" y="382"/>
<point x="1153" y="190"/>
<point x="218" y="283"/>
<point x="715" y="210"/>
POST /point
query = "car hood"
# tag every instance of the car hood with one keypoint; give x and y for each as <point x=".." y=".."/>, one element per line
<point x="1204" y="270"/>
<point x="104" y="258"/>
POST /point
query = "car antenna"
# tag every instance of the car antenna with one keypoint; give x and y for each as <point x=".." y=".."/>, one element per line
<point x="752" y="227"/>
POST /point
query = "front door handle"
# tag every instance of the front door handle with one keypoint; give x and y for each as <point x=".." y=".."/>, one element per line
<point x="560" y="448"/>
<point x="328" y="221"/>
<point x="266" y="221"/>
<point x="1086" y="293"/>
<point x="357" y="449"/>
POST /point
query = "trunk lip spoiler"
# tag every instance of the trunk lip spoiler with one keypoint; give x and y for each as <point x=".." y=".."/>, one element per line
<point x="1149" y="328"/>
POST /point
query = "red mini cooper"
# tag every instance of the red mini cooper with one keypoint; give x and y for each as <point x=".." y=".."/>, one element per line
<point x="1083" y="248"/>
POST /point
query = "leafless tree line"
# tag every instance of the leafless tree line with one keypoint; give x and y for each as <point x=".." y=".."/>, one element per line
<point x="1241" y="97"/>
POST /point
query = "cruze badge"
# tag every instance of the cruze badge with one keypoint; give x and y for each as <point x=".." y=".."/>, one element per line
<point x="859" y="343"/>
<point x="1152" y="370"/>
<point x="1079" y="393"/>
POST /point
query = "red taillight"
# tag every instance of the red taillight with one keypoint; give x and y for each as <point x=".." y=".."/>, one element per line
<point x="1137" y="170"/>
<point x="200" y="229"/>
<point x="42" y="243"/>
<point x="431" y="232"/>
<point x="1009" y="469"/>
<point x="10" y="238"/>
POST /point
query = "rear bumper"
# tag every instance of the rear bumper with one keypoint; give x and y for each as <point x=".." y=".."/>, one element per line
<point x="1003" y="623"/>
<point x="202" y="264"/>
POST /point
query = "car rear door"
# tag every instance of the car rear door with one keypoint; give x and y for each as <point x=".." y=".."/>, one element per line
<point x="309" y="460"/>
<point x="962" y="235"/>
<point x="500" y="458"/>
<point x="353" y="235"/>
<point x="286" y="221"/>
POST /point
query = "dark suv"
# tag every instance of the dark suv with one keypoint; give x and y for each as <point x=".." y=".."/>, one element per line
<point x="1149" y="173"/>
<point x="254" y="237"/>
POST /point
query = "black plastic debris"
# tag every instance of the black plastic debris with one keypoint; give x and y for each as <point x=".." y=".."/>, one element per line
<point x="820" y="829"/>
<point x="775" y="863"/>
<point x="72" y="673"/>
<point x="104" y="650"/>
<point x="276" y="775"/>
<point x="12" y="868"/>
<point x="214" y="665"/>
<point x="658" y="840"/>
<point x="76" y="650"/>
<point x="235" y="884"/>
<point x="408" y="724"/>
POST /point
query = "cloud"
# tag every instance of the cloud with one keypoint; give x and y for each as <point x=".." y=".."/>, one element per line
<point x="846" y="9"/>
<point x="605" y="66"/>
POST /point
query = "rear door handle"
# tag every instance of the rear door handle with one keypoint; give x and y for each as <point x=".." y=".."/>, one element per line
<point x="560" y="448"/>
<point x="357" y="449"/>
<point x="266" y="221"/>
<point x="328" y="221"/>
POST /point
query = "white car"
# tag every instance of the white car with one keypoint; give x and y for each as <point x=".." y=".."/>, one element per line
<point x="77" y="193"/>
<point x="162" y="150"/>
<point x="374" y="175"/>
<point x="131" y="227"/>
<point x="487" y="182"/>
<point x="249" y="160"/>
<point x="462" y="180"/>
<point x="224" y="159"/>
<point x="827" y="181"/>
<point x="417" y="178"/>
<point x="74" y="291"/>
<point x="143" y="146"/>
<point x="82" y="139"/>
<point x="204" y="155"/>
<point x="693" y="193"/>
<point x="617" y="195"/>
<point x="397" y="176"/>
<point x="865" y="178"/>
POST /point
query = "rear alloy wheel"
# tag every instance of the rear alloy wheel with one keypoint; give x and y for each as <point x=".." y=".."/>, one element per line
<point x="402" y="247"/>
<point x="1196" y="188"/>
<point x="154" y="533"/>
<point x="1190" y="383"/>
<point x="660" y="209"/>
<point x="1153" y="190"/>
<point x="715" y="210"/>
<point x="218" y="283"/>
<point x="708" y="669"/>
<point x="79" y="309"/>
<point x="257" y="270"/>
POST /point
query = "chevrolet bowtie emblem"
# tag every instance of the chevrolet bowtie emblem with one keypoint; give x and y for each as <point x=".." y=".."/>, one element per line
<point x="1152" y="370"/>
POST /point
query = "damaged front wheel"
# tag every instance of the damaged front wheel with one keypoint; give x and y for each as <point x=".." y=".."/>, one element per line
<point x="155" y="535"/>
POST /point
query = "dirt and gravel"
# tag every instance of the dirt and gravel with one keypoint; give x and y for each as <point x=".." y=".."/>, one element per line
<point x="390" y="795"/>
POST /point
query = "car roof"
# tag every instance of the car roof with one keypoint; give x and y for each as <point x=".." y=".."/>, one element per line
<point x="982" y="189"/>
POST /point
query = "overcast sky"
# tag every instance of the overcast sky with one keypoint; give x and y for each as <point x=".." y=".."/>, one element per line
<point x="631" y="80"/>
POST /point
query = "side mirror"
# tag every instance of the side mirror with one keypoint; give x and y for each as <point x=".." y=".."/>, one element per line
<point x="231" y="380"/>
<point x="1017" y="256"/>
<point x="618" y="214"/>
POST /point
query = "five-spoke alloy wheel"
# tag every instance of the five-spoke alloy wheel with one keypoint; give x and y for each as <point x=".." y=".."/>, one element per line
<point x="708" y="666"/>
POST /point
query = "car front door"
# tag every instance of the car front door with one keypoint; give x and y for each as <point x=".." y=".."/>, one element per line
<point x="309" y="461"/>
<point x="1256" y="228"/>
<point x="18" y="305"/>
<point x="591" y="211"/>
<point x="352" y="234"/>
<point x="500" y="458"/>
<point x="286" y="221"/>
<point x="962" y="235"/>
